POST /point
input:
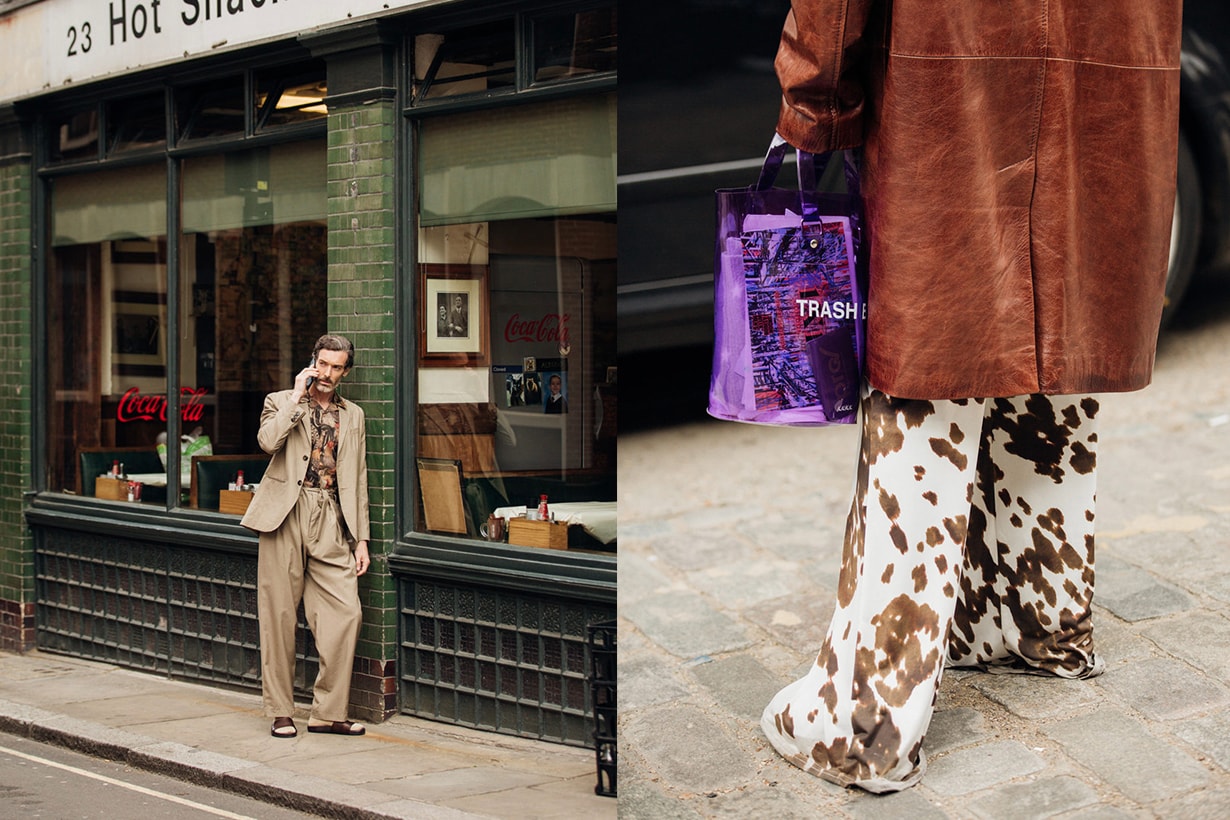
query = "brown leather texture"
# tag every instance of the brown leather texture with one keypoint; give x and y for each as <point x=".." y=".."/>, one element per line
<point x="1018" y="175"/>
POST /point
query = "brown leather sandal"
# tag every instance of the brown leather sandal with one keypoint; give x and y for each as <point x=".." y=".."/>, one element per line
<point x="280" y="725"/>
<point x="338" y="727"/>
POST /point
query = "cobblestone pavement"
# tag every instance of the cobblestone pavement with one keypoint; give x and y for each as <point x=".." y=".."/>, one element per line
<point x="730" y="545"/>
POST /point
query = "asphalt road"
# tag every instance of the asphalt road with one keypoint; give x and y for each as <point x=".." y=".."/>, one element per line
<point x="42" y="781"/>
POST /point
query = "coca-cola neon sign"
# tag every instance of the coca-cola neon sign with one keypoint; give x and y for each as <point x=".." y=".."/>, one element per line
<point x="134" y="406"/>
<point x="552" y="327"/>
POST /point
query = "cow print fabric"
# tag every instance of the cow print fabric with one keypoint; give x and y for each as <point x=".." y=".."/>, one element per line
<point x="969" y="543"/>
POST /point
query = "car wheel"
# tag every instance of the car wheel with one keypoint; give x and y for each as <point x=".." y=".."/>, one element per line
<point x="1184" y="232"/>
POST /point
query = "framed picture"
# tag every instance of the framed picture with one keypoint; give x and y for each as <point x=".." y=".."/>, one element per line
<point x="453" y="316"/>
<point x="139" y="340"/>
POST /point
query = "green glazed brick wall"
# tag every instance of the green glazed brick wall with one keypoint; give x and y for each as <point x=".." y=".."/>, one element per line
<point x="16" y="553"/>
<point x="362" y="193"/>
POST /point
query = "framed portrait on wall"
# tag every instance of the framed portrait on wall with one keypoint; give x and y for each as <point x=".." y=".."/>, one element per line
<point x="453" y="316"/>
<point x="139" y="340"/>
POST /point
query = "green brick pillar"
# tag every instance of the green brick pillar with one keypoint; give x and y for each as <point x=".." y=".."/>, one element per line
<point x="16" y="387"/>
<point x="362" y="192"/>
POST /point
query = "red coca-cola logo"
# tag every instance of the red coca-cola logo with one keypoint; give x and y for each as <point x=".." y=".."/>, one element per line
<point x="134" y="406"/>
<point x="552" y="327"/>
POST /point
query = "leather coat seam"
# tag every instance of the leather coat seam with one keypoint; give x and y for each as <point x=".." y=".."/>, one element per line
<point x="1031" y="57"/>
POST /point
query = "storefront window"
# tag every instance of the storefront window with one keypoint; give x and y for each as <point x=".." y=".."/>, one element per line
<point x="574" y="44"/>
<point x="516" y="303"/>
<point x="254" y="297"/>
<point x="291" y="95"/>
<point x="478" y="59"/>
<point x="251" y="300"/>
<point x="136" y="123"/>
<point x="74" y="136"/>
<point x="210" y="109"/>
<point x="107" y="329"/>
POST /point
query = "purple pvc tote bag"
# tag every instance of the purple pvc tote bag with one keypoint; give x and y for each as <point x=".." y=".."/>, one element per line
<point x="788" y="309"/>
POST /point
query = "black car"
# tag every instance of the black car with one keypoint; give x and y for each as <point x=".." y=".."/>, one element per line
<point x="698" y="104"/>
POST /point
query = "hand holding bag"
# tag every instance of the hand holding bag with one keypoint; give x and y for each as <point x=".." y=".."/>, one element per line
<point x="788" y="309"/>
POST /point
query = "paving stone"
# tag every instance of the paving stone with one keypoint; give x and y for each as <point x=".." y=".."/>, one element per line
<point x="685" y="625"/>
<point x="454" y="784"/>
<point x="631" y="639"/>
<point x="685" y="748"/>
<point x="981" y="767"/>
<point x="1164" y="689"/>
<point x="800" y="538"/>
<point x="1201" y="638"/>
<point x="1215" y="584"/>
<point x="798" y="621"/>
<point x="647" y="680"/>
<point x="640" y="577"/>
<point x="1209" y="735"/>
<point x="1116" y="642"/>
<point x="633" y="533"/>
<point x="1037" y="697"/>
<point x="953" y="728"/>
<point x="894" y="806"/>
<point x="1032" y="801"/>
<point x="718" y="517"/>
<point x="1122" y="752"/>
<point x="739" y="684"/>
<point x="1103" y="813"/>
<point x="763" y="800"/>
<point x="1209" y="804"/>
<point x="1187" y="556"/>
<point x="639" y="800"/>
<point x="692" y="550"/>
<point x="738" y="587"/>
<point x="550" y="801"/>
<point x="1135" y="595"/>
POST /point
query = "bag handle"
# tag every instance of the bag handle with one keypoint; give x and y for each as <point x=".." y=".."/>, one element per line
<point x="810" y="167"/>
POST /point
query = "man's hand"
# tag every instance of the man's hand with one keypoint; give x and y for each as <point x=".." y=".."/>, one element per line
<point x="361" y="558"/>
<point x="301" y="382"/>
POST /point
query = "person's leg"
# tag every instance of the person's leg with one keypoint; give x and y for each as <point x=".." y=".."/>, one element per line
<point x="331" y="605"/>
<point x="1028" y="581"/>
<point x="279" y="587"/>
<point x="858" y="717"/>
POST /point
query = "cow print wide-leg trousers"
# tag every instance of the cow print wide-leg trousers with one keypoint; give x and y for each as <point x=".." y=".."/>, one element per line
<point x="969" y="539"/>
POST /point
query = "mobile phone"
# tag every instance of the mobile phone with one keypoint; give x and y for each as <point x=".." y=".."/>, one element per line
<point x="311" y="363"/>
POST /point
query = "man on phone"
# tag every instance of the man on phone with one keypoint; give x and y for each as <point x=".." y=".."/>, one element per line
<point x="311" y="510"/>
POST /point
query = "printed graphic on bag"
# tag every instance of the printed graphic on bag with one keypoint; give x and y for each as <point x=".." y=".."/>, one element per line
<point x="799" y="291"/>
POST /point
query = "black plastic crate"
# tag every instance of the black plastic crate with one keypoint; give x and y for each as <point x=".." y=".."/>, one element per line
<point x="607" y="763"/>
<point x="602" y="678"/>
<point x="602" y="651"/>
<point x="604" y="722"/>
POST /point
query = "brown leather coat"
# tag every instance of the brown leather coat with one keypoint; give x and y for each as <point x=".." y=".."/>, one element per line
<point x="1019" y="177"/>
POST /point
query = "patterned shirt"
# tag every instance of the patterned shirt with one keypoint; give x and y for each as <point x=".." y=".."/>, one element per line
<point x="322" y="466"/>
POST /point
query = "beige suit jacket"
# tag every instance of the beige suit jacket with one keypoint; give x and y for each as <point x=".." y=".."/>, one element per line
<point x="285" y="433"/>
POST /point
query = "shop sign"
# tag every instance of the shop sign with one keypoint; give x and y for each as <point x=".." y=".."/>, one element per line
<point x="136" y="406"/>
<point x="60" y="42"/>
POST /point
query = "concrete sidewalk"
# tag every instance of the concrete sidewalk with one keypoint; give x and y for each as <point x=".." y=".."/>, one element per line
<point x="403" y="768"/>
<point x="730" y="540"/>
